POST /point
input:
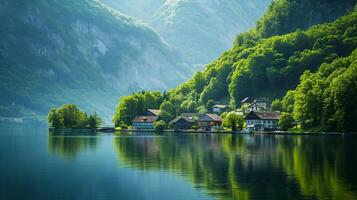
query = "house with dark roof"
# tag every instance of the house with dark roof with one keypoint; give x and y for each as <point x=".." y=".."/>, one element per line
<point x="245" y="104"/>
<point x="260" y="105"/>
<point x="220" y="108"/>
<point x="262" y="121"/>
<point x="182" y="123"/>
<point x="144" y="122"/>
<point x="210" y="122"/>
<point x="152" y="112"/>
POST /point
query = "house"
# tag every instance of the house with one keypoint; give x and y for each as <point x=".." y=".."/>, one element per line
<point x="245" y="104"/>
<point x="261" y="121"/>
<point x="259" y="105"/>
<point x="210" y="122"/>
<point x="152" y="112"/>
<point x="144" y="122"/>
<point x="220" y="108"/>
<point x="182" y="123"/>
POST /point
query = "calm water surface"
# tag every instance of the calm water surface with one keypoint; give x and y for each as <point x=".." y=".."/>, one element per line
<point x="78" y="165"/>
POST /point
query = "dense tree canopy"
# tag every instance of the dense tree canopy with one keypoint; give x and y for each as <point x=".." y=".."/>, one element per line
<point x="69" y="116"/>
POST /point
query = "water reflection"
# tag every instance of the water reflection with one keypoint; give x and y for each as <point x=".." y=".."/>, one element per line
<point x="250" y="167"/>
<point x="69" y="144"/>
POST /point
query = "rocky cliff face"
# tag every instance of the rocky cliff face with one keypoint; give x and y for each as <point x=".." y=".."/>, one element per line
<point x="200" y="30"/>
<point x="54" y="52"/>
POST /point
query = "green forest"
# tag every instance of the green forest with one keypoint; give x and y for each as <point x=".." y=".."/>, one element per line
<point x="69" y="116"/>
<point x="307" y="65"/>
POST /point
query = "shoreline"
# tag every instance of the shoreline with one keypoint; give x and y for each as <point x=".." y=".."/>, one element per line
<point x="112" y="130"/>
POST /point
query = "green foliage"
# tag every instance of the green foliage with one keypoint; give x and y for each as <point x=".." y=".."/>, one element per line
<point x="326" y="98"/>
<point x="94" y="121"/>
<point x="286" y="121"/>
<point x="209" y="105"/>
<point x="269" y="67"/>
<point x="160" y="126"/>
<point x="69" y="116"/>
<point x="167" y="111"/>
<point x="285" y="16"/>
<point x="136" y="104"/>
<point x="276" y="105"/>
<point x="233" y="121"/>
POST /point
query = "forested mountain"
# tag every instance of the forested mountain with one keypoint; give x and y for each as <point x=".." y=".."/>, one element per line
<point x="63" y="51"/>
<point x="199" y="29"/>
<point x="288" y="15"/>
<point x="263" y="66"/>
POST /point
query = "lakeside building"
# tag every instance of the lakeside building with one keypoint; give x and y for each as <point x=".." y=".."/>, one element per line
<point x="245" y="104"/>
<point x="210" y="122"/>
<point x="144" y="122"/>
<point x="259" y="105"/>
<point x="262" y="121"/>
<point x="182" y="123"/>
<point x="220" y="108"/>
<point x="152" y="112"/>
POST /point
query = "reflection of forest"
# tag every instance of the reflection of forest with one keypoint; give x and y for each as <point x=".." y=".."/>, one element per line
<point x="68" y="145"/>
<point x="249" y="167"/>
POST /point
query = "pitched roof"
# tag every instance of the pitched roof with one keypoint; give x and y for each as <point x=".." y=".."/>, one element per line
<point x="149" y="119"/>
<point x="189" y="114"/>
<point x="181" y="118"/>
<point x="221" y="106"/>
<point x="246" y="100"/>
<point x="214" y="117"/>
<point x="154" y="111"/>
<point x="263" y="115"/>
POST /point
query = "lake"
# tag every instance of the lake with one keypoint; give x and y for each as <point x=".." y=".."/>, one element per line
<point x="83" y="165"/>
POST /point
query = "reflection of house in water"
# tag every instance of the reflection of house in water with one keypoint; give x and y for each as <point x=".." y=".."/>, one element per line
<point x="248" y="165"/>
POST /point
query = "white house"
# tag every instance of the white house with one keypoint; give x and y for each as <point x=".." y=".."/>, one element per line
<point x="220" y="108"/>
<point x="259" y="105"/>
<point x="262" y="121"/>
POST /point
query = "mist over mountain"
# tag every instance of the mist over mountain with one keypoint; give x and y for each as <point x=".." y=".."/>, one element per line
<point x="55" y="52"/>
<point x="200" y="30"/>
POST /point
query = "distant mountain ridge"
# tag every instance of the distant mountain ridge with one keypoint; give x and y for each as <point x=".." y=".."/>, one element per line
<point x="54" y="52"/>
<point x="199" y="29"/>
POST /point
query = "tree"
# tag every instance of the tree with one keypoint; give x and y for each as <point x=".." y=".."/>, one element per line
<point x="276" y="105"/>
<point x="70" y="115"/>
<point x="160" y="126"/>
<point x="94" y="121"/>
<point x="233" y="121"/>
<point x="209" y="105"/>
<point x="167" y="111"/>
<point x="286" y="121"/>
<point x="54" y="118"/>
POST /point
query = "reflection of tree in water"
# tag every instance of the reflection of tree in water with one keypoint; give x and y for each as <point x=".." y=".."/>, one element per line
<point x="324" y="167"/>
<point x="238" y="167"/>
<point x="69" y="144"/>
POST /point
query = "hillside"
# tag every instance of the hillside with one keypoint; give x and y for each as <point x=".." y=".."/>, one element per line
<point x="267" y="67"/>
<point x="288" y="15"/>
<point x="54" y="52"/>
<point x="200" y="30"/>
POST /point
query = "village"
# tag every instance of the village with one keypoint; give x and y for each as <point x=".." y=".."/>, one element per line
<point x="257" y="116"/>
